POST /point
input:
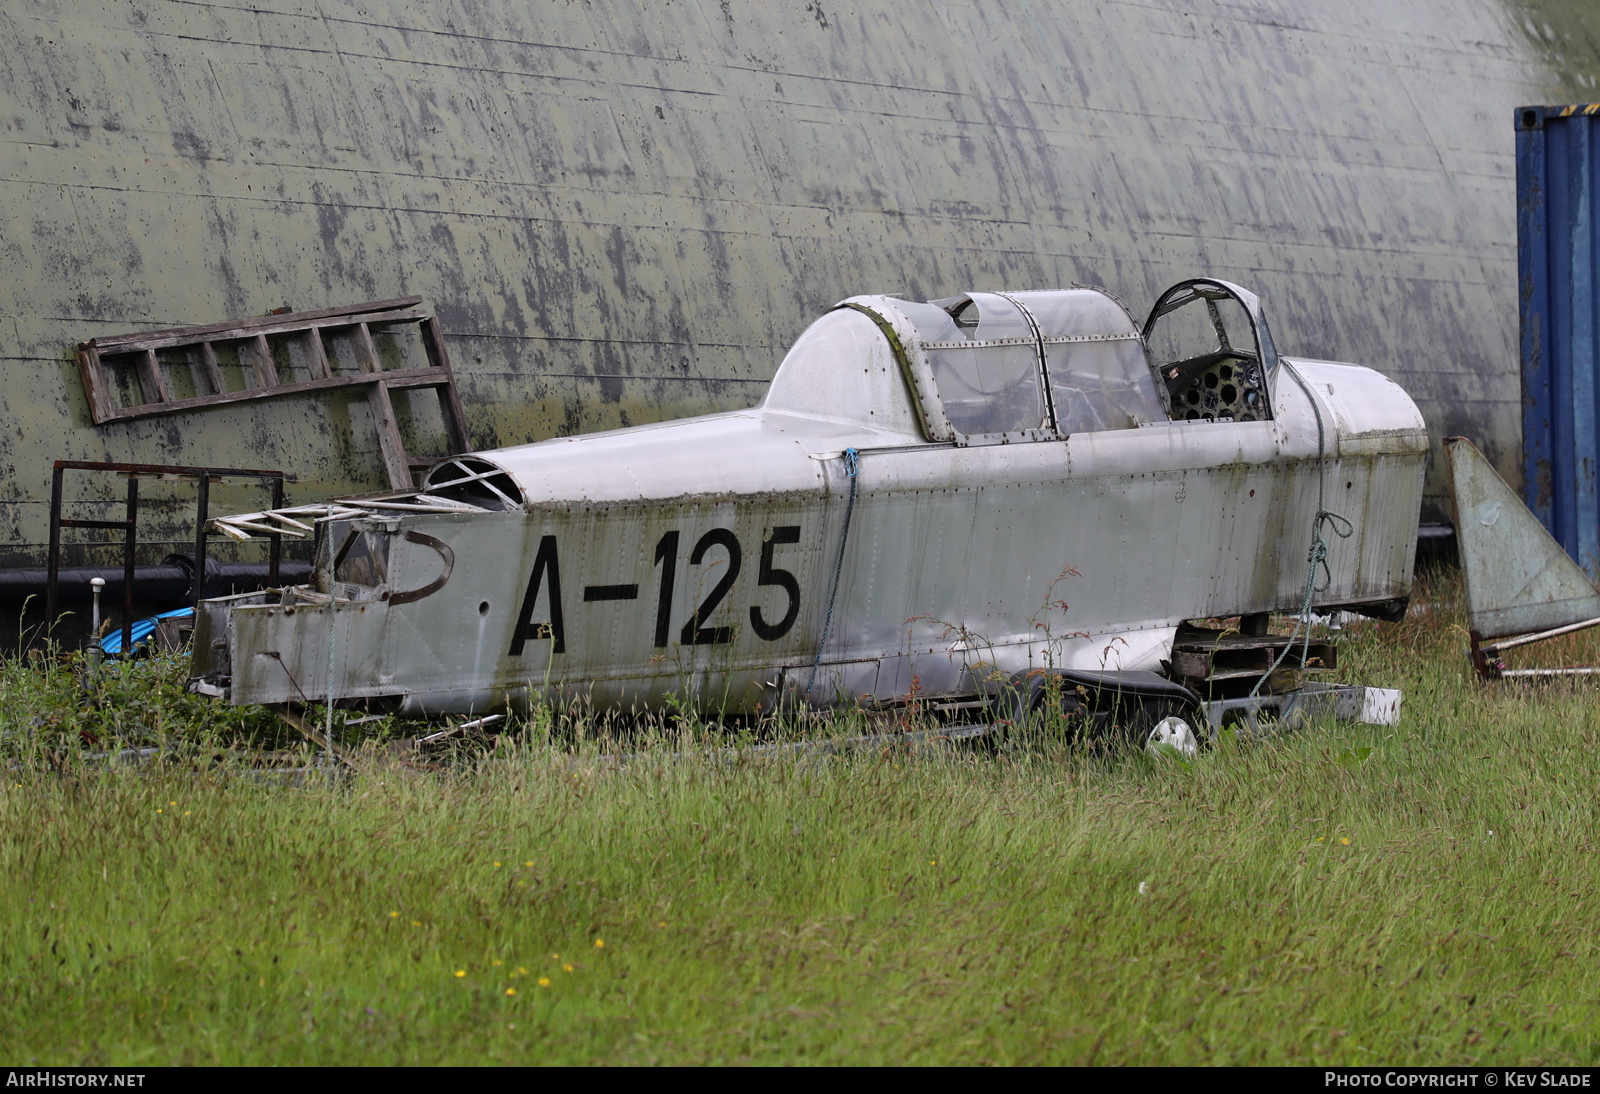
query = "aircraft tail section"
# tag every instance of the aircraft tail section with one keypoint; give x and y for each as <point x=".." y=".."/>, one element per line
<point x="1517" y="578"/>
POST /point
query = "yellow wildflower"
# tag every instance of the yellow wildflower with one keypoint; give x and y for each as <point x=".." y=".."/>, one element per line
<point x="544" y="981"/>
<point x="460" y="973"/>
<point x="511" y="991"/>
<point x="599" y="943"/>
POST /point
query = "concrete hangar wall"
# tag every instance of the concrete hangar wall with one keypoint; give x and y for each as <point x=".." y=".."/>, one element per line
<point x="626" y="212"/>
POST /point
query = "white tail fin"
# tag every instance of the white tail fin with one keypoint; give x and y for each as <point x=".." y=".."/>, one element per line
<point x="1518" y="579"/>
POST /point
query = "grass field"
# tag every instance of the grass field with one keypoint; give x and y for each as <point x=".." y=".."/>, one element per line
<point x="1417" y="895"/>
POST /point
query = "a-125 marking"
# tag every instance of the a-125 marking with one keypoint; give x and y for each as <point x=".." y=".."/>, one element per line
<point x="695" y="631"/>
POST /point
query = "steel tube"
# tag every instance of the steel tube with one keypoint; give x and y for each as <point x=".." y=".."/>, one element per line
<point x="129" y="543"/>
<point x="170" y="582"/>
<point x="1512" y="643"/>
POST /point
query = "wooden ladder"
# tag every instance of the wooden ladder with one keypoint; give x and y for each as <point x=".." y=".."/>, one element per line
<point x="255" y="342"/>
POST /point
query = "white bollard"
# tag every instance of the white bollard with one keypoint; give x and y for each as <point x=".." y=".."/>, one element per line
<point x="96" y="584"/>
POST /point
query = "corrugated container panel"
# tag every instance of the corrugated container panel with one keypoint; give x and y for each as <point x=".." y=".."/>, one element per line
<point x="1558" y="260"/>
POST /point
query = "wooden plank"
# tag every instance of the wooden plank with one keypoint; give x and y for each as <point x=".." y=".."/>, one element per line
<point x="1231" y="640"/>
<point x="289" y="320"/>
<point x="1242" y="661"/>
<point x="151" y="382"/>
<point x="94" y="385"/>
<point x="389" y="442"/>
<point x="400" y="469"/>
<point x="414" y="378"/>
<point x="134" y="344"/>
<point x="213" y="373"/>
<point x="316" y="355"/>
<point x="366" y="352"/>
<point x="455" y="417"/>
<point x="261" y="359"/>
<point x="406" y="378"/>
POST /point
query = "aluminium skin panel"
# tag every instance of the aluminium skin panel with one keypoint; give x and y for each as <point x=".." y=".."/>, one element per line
<point x="952" y="571"/>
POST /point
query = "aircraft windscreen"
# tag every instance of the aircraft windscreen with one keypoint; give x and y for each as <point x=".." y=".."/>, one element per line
<point x="1203" y="340"/>
<point x="1200" y="325"/>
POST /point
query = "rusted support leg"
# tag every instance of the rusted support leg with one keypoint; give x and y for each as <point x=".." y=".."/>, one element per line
<point x="275" y="549"/>
<point x="53" y="574"/>
<point x="129" y="544"/>
<point x="202" y="507"/>
<point x="1487" y="667"/>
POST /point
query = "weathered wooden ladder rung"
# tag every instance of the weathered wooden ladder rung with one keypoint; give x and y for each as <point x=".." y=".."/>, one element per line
<point x="251" y="340"/>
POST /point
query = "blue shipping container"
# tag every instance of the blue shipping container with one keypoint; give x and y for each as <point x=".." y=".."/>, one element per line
<point x="1558" y="268"/>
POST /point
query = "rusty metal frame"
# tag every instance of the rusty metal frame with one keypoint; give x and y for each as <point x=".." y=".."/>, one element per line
<point x="202" y="476"/>
<point x="250" y="336"/>
<point x="1487" y="662"/>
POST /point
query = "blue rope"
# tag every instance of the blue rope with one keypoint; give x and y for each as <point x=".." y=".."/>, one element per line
<point x="852" y="465"/>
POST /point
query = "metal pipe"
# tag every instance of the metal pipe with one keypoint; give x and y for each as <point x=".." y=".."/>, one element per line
<point x="171" y="581"/>
<point x="1513" y="643"/>
<point x="1551" y="672"/>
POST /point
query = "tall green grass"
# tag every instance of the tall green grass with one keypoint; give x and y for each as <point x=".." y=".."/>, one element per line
<point x="1420" y="894"/>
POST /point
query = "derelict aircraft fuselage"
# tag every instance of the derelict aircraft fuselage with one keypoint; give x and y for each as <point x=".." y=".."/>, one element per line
<point x="929" y="494"/>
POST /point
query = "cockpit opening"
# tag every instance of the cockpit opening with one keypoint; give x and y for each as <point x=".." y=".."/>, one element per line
<point x="1213" y="351"/>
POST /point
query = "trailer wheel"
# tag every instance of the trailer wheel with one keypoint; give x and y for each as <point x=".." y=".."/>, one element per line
<point x="1163" y="724"/>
